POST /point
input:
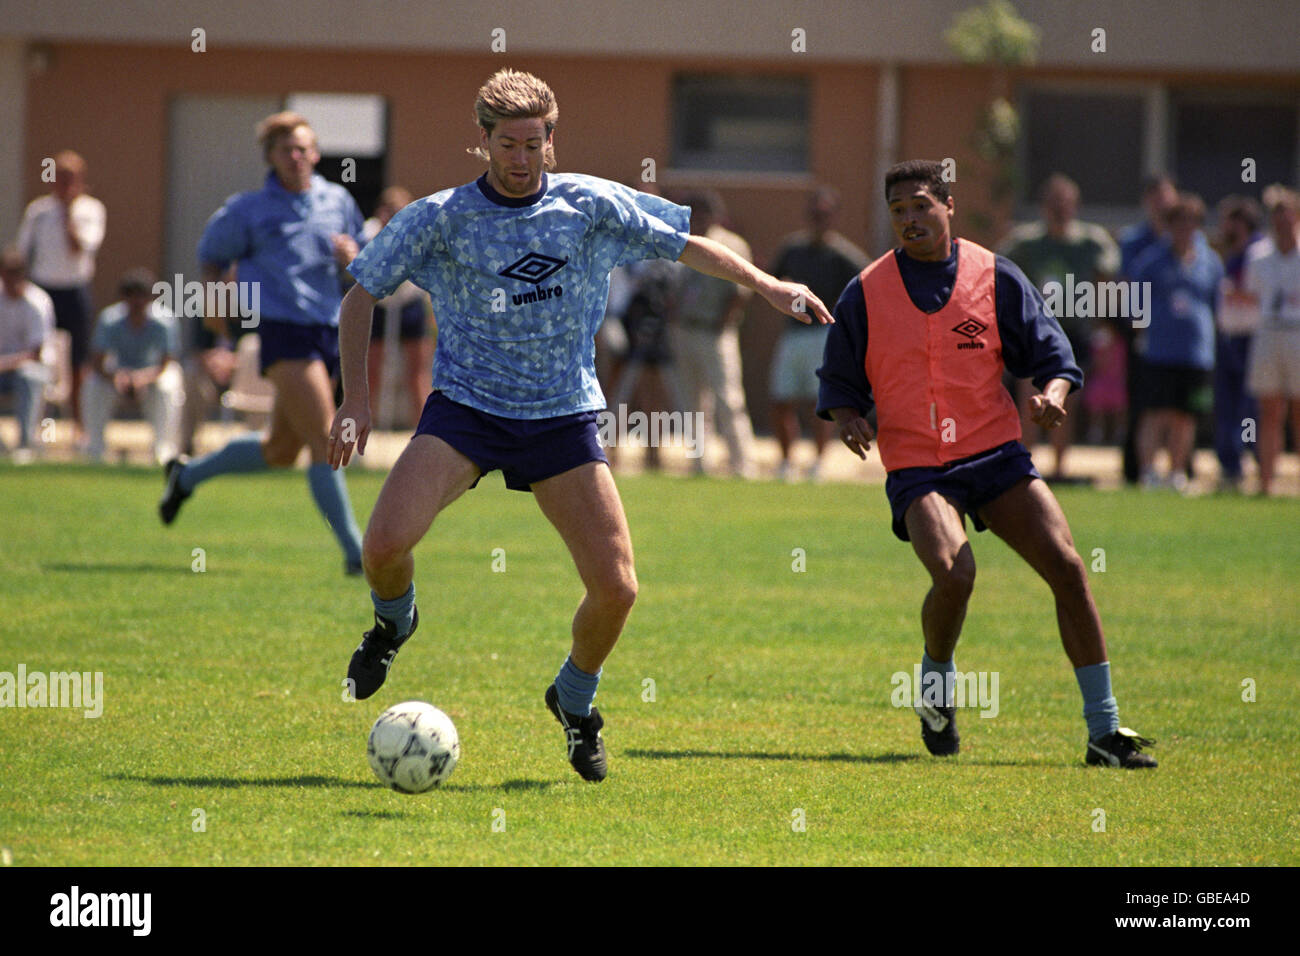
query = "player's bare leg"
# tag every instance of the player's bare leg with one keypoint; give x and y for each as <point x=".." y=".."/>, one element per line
<point x="428" y="476"/>
<point x="938" y="536"/>
<point x="1028" y="517"/>
<point x="584" y="506"/>
<point x="302" y="413"/>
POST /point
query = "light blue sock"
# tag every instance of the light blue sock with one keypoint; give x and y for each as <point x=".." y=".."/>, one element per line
<point x="1100" y="709"/>
<point x="241" y="454"/>
<point x="331" y="494"/>
<point x="400" y="610"/>
<point x="931" y="687"/>
<point x="576" y="688"/>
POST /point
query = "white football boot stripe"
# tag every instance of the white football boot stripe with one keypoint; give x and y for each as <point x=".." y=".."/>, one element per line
<point x="933" y="719"/>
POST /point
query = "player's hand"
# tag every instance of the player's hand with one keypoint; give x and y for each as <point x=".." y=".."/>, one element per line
<point x="349" y="430"/>
<point x="856" y="434"/>
<point x="796" y="299"/>
<point x="1046" y="411"/>
<point x="345" y="248"/>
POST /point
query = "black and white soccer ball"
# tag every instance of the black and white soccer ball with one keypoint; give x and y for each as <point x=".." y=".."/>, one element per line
<point x="413" y="747"/>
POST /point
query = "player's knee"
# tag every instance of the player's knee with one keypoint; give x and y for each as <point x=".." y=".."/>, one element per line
<point x="380" y="551"/>
<point x="279" y="454"/>
<point x="957" y="579"/>
<point x="1067" y="570"/>
<point x="617" y="590"/>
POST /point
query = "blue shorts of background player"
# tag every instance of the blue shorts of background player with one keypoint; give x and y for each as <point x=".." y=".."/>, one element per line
<point x="969" y="483"/>
<point x="289" y="340"/>
<point x="526" y="450"/>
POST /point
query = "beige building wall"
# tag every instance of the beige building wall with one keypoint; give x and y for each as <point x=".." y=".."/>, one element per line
<point x="109" y="100"/>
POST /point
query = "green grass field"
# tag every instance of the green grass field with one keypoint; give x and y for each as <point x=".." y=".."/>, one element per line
<point x="225" y="738"/>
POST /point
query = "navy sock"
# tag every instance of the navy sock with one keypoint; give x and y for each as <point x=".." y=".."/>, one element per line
<point x="576" y="688"/>
<point x="400" y="610"/>
<point x="241" y="454"/>
<point x="331" y="494"/>
<point x="1100" y="708"/>
<point x="938" y="687"/>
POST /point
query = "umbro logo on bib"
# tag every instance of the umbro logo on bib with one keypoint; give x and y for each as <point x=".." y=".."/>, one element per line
<point x="972" y="329"/>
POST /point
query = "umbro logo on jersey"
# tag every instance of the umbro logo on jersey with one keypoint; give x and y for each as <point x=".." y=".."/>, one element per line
<point x="533" y="267"/>
<point x="972" y="329"/>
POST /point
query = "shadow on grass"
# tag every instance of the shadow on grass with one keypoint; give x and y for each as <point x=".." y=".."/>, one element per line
<point x="509" y="786"/>
<point x="764" y="755"/>
<point x="235" y="783"/>
<point x="110" y="567"/>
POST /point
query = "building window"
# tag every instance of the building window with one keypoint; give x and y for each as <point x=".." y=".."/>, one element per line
<point x="1095" y="138"/>
<point x="1213" y="132"/>
<point x="741" y="123"/>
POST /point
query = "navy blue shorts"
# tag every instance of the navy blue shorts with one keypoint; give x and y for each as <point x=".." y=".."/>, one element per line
<point x="73" y="312"/>
<point x="969" y="483"/>
<point x="526" y="450"/>
<point x="289" y="340"/>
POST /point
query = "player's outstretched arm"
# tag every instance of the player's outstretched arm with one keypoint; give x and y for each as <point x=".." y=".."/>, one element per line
<point x="795" y="299"/>
<point x="854" y="430"/>
<point x="351" y="426"/>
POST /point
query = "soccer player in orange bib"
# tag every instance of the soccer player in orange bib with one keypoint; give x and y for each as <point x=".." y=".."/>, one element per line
<point x="923" y="335"/>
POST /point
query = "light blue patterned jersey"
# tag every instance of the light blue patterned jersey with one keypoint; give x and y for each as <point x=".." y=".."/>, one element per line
<point x="519" y="286"/>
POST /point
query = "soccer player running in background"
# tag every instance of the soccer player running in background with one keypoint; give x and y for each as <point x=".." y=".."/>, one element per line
<point x="517" y="264"/>
<point x="924" y="334"/>
<point x="293" y="237"/>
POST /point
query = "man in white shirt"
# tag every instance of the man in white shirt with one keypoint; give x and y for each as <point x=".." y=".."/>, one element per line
<point x="1273" y="279"/>
<point x="26" y="324"/>
<point x="60" y="234"/>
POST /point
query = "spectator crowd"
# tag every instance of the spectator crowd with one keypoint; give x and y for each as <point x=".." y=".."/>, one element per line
<point x="1206" y="338"/>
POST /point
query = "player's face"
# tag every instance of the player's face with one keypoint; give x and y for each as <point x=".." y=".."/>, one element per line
<point x="293" y="157"/>
<point x="516" y="156"/>
<point x="922" y="224"/>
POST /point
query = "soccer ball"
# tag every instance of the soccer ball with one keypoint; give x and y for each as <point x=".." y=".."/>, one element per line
<point x="413" y="747"/>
